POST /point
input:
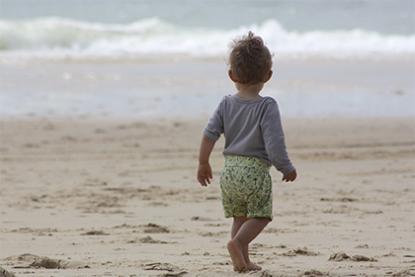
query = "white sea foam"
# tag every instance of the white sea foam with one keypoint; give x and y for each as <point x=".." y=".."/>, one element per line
<point x="58" y="37"/>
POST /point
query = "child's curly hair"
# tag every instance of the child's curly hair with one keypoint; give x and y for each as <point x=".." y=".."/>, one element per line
<point x="250" y="60"/>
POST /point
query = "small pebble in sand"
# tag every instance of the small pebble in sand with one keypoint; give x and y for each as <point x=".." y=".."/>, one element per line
<point x="200" y="218"/>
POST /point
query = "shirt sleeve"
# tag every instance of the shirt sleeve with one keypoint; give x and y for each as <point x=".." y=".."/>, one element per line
<point x="214" y="127"/>
<point x="273" y="136"/>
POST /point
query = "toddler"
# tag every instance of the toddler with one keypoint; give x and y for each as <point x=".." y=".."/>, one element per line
<point x="254" y="140"/>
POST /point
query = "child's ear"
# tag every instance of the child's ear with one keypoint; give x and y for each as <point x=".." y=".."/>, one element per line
<point x="268" y="77"/>
<point x="230" y="74"/>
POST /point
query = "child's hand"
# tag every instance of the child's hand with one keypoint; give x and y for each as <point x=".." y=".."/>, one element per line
<point x="204" y="174"/>
<point x="290" y="176"/>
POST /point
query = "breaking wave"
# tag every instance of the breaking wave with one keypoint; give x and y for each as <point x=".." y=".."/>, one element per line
<point x="59" y="37"/>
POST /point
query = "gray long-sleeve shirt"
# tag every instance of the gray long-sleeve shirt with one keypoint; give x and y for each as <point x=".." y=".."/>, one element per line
<point x="251" y="128"/>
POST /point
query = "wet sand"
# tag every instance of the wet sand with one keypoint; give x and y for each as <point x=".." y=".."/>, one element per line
<point x="192" y="88"/>
<point x="119" y="198"/>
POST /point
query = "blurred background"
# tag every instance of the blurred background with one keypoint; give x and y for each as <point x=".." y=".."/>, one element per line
<point x="151" y="58"/>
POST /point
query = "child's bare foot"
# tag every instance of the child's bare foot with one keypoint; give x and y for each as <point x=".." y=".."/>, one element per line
<point x="253" y="267"/>
<point x="235" y="251"/>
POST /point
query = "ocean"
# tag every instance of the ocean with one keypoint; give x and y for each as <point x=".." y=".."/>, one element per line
<point x="204" y="29"/>
<point x="141" y="59"/>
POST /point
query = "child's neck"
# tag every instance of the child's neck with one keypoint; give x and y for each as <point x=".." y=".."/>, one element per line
<point x="249" y="91"/>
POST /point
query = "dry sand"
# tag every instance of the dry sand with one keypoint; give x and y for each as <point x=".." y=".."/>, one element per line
<point x="108" y="198"/>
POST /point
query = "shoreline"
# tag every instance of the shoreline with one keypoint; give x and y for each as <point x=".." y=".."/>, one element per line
<point x="130" y="90"/>
<point x="10" y="59"/>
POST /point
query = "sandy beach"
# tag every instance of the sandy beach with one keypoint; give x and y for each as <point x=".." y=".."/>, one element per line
<point x="102" y="108"/>
<point x="119" y="198"/>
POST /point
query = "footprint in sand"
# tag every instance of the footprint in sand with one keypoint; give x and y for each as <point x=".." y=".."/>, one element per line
<point x="5" y="273"/>
<point x="158" y="204"/>
<point x="300" y="252"/>
<point x="404" y="273"/>
<point x="155" y="228"/>
<point x="172" y="269"/>
<point x="341" y="256"/>
<point x="95" y="233"/>
<point x="363" y="246"/>
<point x="33" y="261"/>
<point x="341" y="199"/>
<point x="147" y="239"/>
<point x="314" y="273"/>
<point x="213" y="234"/>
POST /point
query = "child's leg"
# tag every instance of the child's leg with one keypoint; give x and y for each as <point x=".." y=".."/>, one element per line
<point x="237" y="223"/>
<point x="236" y="252"/>
<point x="250" y="229"/>
<point x="247" y="232"/>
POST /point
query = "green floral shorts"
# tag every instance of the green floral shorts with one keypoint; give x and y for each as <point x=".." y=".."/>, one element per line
<point x="246" y="187"/>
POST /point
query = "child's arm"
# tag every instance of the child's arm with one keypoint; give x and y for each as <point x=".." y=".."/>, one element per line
<point x="204" y="171"/>
<point x="211" y="134"/>
<point x="273" y="136"/>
